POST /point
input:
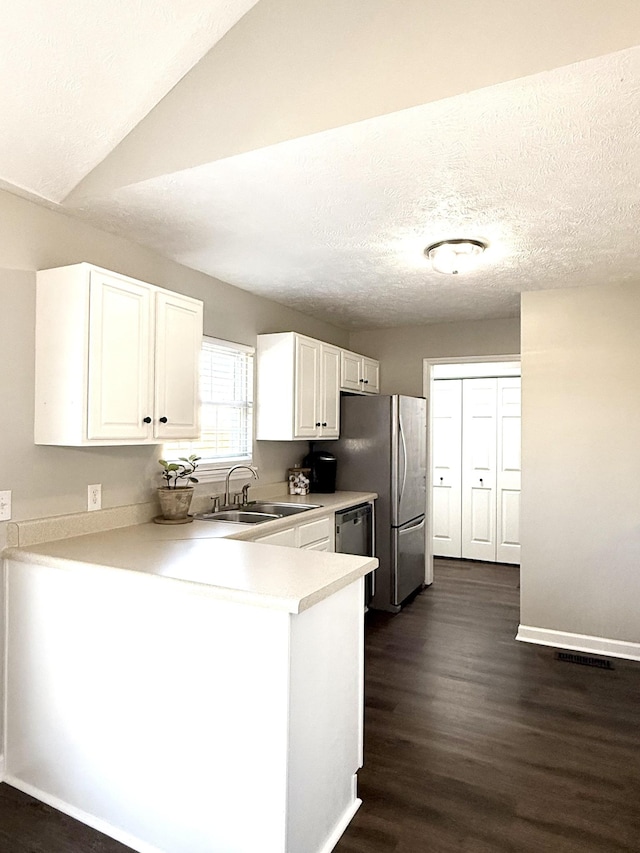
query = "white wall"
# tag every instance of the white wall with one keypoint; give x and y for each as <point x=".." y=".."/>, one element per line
<point x="580" y="459"/>
<point x="401" y="351"/>
<point x="49" y="481"/>
<point x="53" y="480"/>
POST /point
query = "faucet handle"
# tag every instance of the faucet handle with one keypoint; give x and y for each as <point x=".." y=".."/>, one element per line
<point x="237" y="498"/>
<point x="215" y="503"/>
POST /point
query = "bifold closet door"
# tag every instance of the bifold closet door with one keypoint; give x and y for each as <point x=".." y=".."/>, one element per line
<point x="446" y="406"/>
<point x="479" y="445"/>
<point x="508" y="473"/>
<point x="476" y="469"/>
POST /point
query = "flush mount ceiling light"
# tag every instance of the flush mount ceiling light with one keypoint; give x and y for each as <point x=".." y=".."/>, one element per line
<point x="454" y="256"/>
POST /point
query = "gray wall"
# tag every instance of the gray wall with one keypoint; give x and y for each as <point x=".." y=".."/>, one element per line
<point x="401" y="351"/>
<point x="580" y="457"/>
<point x="53" y="480"/>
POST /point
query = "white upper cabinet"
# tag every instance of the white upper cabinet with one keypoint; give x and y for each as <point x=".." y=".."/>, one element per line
<point x="306" y="395"/>
<point x="359" y="374"/>
<point x="120" y="354"/>
<point x="178" y="341"/>
<point x="330" y="391"/>
<point x="370" y="375"/>
<point x="298" y="388"/>
<point x="116" y="360"/>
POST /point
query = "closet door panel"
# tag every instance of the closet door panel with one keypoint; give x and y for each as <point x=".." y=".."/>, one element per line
<point x="479" y="448"/>
<point x="446" y="406"/>
<point x="508" y="470"/>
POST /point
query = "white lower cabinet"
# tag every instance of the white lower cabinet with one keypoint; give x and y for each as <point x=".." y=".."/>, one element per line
<point x="286" y="537"/>
<point x="317" y="535"/>
<point x="117" y="360"/>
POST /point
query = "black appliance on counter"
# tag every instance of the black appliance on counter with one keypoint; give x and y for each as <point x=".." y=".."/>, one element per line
<point x="323" y="467"/>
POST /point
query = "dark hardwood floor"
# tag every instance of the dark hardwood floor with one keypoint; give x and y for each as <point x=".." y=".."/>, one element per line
<point x="474" y="743"/>
<point x="480" y="744"/>
<point x="29" y="826"/>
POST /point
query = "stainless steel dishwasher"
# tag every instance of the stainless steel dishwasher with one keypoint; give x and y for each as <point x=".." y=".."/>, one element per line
<point x="354" y="535"/>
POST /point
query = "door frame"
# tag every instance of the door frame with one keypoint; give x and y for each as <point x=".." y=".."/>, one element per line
<point x="427" y="384"/>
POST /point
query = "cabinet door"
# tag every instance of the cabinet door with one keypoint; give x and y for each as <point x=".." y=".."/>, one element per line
<point x="350" y="375"/>
<point x="508" y="471"/>
<point x="307" y="388"/>
<point x="325" y="545"/>
<point x="330" y="392"/>
<point x="479" y="469"/>
<point x="370" y="375"/>
<point x="120" y="390"/>
<point x="322" y="530"/>
<point x="286" y="538"/>
<point x="177" y="359"/>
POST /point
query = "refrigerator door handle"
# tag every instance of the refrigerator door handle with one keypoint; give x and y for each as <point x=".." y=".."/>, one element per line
<point x="403" y="454"/>
<point x="416" y="526"/>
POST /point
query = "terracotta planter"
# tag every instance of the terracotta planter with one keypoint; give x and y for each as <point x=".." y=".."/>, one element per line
<point x="175" y="503"/>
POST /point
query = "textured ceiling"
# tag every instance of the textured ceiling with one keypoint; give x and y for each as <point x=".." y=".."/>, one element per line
<point x="76" y="76"/>
<point x="545" y="169"/>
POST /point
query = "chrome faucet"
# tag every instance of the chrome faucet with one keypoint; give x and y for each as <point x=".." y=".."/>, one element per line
<point x="245" y="490"/>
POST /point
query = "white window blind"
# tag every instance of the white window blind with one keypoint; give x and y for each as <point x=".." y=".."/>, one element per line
<point x="226" y="413"/>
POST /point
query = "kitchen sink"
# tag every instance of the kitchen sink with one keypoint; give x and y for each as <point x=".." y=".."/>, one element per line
<point x="236" y="515"/>
<point x="279" y="509"/>
<point x="255" y="512"/>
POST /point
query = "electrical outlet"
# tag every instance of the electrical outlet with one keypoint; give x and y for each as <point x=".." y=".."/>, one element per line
<point x="5" y="506"/>
<point x="94" y="497"/>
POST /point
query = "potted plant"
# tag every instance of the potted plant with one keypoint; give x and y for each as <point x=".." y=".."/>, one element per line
<point x="175" y="497"/>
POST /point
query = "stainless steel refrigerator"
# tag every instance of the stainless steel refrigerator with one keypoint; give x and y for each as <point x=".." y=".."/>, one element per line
<point x="383" y="448"/>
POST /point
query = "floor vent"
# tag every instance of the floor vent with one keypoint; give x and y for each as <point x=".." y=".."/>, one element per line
<point x="585" y="660"/>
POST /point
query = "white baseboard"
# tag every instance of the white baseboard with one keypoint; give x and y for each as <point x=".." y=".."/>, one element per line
<point x="340" y="827"/>
<point x="578" y="642"/>
<point x="83" y="817"/>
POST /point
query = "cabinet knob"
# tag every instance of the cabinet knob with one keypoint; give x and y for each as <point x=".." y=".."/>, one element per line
<point x="360" y="380"/>
<point x="480" y="480"/>
<point x="146" y="420"/>
<point x="366" y="381"/>
<point x="318" y="424"/>
<point x="163" y="420"/>
<point x="324" y="424"/>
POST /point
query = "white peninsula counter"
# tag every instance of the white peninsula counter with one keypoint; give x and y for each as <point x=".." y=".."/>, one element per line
<point x="187" y="693"/>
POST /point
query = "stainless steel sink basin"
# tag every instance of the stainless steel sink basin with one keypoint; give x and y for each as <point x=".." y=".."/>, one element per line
<point x="237" y="516"/>
<point x="255" y="512"/>
<point x="279" y="509"/>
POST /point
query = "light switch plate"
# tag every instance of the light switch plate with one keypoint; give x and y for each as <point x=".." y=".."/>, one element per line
<point x="94" y="497"/>
<point x="5" y="506"/>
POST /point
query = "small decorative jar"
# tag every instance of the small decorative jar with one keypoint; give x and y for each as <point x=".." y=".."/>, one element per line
<point x="299" y="479"/>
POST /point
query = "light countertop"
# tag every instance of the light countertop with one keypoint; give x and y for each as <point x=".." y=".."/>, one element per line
<point x="208" y="554"/>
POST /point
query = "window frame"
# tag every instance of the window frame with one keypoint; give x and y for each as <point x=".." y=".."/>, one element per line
<point x="216" y="470"/>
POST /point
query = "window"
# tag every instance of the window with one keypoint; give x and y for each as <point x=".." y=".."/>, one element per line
<point x="226" y="413"/>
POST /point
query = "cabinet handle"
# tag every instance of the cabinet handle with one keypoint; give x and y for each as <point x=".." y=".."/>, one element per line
<point x="163" y="420"/>
<point x="146" y="420"/>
